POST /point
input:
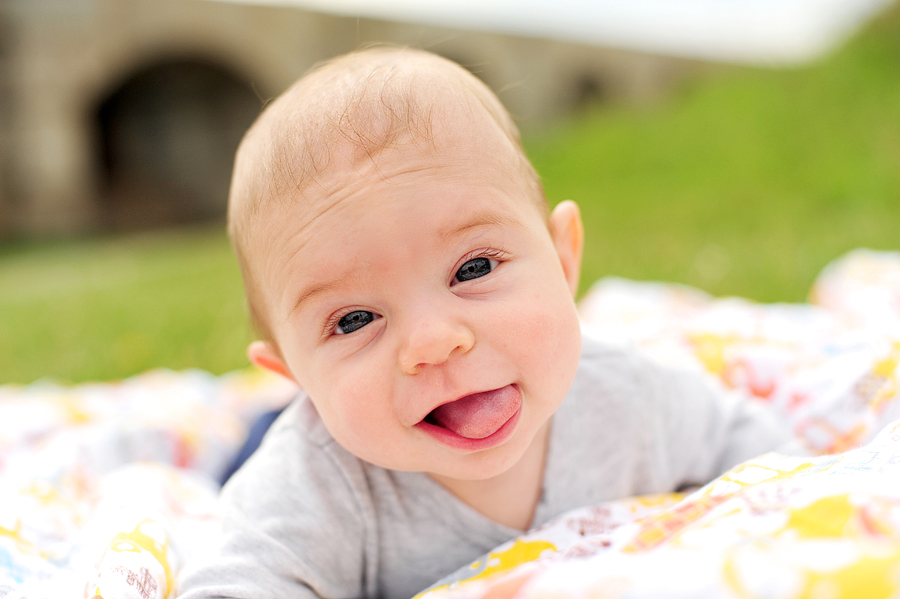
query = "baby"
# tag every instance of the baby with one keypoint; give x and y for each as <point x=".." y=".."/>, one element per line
<point x="403" y="269"/>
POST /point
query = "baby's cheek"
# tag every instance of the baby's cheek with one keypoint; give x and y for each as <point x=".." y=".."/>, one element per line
<point x="551" y="333"/>
<point x="550" y="313"/>
<point x="340" y="405"/>
<point x="542" y="322"/>
<point x="352" y="423"/>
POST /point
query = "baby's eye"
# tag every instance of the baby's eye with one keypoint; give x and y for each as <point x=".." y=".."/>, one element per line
<point x="474" y="268"/>
<point x="353" y="321"/>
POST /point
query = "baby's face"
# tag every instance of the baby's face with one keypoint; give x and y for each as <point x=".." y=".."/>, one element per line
<point x="423" y="305"/>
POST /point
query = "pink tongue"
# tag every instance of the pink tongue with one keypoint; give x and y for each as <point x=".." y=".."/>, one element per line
<point x="478" y="415"/>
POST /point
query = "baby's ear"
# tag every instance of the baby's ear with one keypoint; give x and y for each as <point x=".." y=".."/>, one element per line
<point x="264" y="355"/>
<point x="568" y="237"/>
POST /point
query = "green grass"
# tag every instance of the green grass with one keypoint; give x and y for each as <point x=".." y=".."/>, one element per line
<point x="744" y="182"/>
<point x="109" y="308"/>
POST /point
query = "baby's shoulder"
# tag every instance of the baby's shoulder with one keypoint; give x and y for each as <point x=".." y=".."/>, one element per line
<point x="619" y="372"/>
<point x="299" y="424"/>
<point x="611" y="362"/>
<point x="296" y="452"/>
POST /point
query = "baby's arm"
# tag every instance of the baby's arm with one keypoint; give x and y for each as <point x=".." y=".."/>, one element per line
<point x="703" y="429"/>
<point x="292" y="527"/>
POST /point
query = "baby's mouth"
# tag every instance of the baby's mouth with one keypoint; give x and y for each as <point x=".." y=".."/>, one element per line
<point x="479" y="415"/>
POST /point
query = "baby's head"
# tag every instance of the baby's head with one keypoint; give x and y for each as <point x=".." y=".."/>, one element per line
<point x="364" y="102"/>
<point x="402" y="267"/>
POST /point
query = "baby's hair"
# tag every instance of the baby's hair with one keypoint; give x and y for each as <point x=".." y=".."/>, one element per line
<point x="370" y="100"/>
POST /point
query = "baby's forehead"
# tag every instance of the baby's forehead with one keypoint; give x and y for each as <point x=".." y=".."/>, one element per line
<point x="456" y="152"/>
<point x="376" y="198"/>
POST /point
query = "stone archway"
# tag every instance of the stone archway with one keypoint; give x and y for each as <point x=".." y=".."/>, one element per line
<point x="167" y="137"/>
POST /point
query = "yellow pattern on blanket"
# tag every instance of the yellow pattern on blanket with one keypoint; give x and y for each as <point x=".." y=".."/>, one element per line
<point x="136" y="565"/>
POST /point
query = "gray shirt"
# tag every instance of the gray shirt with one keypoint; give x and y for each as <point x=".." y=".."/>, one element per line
<point x="306" y="518"/>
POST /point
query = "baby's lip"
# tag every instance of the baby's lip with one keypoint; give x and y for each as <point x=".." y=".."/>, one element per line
<point x="477" y="420"/>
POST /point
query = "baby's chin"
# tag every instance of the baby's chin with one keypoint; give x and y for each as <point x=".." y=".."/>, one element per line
<point x="494" y="464"/>
<point x="471" y="468"/>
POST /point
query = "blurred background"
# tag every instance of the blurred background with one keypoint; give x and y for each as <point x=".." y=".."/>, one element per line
<point x="734" y="146"/>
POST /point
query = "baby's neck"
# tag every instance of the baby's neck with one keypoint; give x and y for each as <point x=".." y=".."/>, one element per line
<point x="512" y="497"/>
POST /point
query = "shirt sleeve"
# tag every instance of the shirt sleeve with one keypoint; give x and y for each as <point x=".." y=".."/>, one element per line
<point x="702" y="429"/>
<point x="292" y="527"/>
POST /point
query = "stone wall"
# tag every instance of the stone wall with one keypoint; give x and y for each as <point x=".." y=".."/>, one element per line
<point x="69" y="67"/>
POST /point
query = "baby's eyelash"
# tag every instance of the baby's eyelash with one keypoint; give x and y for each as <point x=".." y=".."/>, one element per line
<point x="332" y="321"/>
<point x="495" y="253"/>
<point x="333" y="325"/>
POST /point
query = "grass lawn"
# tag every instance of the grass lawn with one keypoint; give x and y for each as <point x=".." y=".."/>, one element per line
<point x="112" y="307"/>
<point x="744" y="182"/>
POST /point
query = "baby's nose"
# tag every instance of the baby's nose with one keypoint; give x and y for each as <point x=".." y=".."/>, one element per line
<point x="432" y="341"/>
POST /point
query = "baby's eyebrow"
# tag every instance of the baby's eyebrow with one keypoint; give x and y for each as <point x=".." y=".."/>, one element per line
<point x="311" y="292"/>
<point x="481" y="219"/>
